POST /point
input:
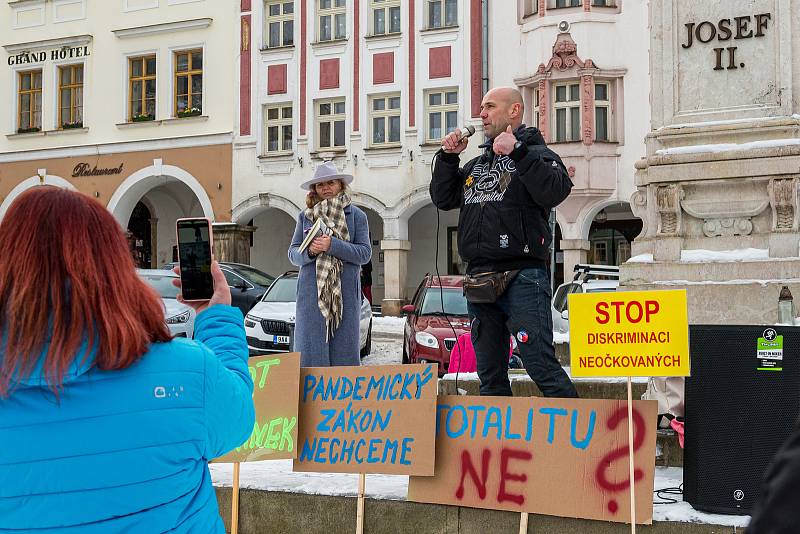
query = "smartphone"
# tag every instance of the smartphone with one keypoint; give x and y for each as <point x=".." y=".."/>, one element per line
<point x="194" y="257"/>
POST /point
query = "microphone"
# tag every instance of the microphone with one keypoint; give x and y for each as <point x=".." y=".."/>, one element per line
<point x="466" y="131"/>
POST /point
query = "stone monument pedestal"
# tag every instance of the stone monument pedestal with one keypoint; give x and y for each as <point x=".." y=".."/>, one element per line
<point x="718" y="189"/>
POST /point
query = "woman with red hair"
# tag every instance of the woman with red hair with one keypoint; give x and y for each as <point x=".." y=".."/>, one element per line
<point x="107" y="424"/>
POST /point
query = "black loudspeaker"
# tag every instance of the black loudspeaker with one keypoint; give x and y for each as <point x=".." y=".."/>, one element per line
<point x="742" y="401"/>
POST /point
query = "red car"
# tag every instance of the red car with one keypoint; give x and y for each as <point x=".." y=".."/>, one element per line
<point x="432" y="328"/>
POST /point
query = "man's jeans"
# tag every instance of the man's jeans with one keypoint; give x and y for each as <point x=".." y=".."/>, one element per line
<point x="524" y="312"/>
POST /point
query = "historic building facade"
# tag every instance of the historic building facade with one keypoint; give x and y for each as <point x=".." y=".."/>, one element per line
<point x="374" y="85"/>
<point x="582" y="66"/>
<point x="128" y="101"/>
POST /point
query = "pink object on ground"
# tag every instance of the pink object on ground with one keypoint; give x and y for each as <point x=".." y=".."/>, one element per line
<point x="462" y="357"/>
<point x="678" y="427"/>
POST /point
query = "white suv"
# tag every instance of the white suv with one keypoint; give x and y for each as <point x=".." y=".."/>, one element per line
<point x="269" y="325"/>
<point x="586" y="280"/>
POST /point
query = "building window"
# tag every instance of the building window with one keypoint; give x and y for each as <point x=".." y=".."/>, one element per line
<point x="142" y="88"/>
<point x="330" y="123"/>
<point x="332" y="16"/>
<point x="385" y="17"/>
<point x="603" y="3"/>
<point x="70" y="96"/>
<point x="441" y="113"/>
<point x="385" y="113"/>
<point x="531" y="7"/>
<point x="536" y="108"/>
<point x="189" y="83"/>
<point x="279" y="23"/>
<point x="600" y="252"/>
<point x="568" y="112"/>
<point x="567" y="3"/>
<point x="442" y="13"/>
<point x="278" y="122"/>
<point x="30" y="101"/>
<point x="602" y="112"/>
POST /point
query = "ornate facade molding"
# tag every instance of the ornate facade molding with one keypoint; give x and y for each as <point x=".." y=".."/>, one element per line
<point x="668" y="204"/>
<point x="587" y="115"/>
<point x="783" y="193"/>
<point x="544" y="122"/>
<point x="565" y="56"/>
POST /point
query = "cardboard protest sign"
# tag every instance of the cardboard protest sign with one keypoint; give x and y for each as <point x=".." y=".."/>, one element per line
<point x="629" y="333"/>
<point x="276" y="379"/>
<point x="561" y="457"/>
<point x="376" y="419"/>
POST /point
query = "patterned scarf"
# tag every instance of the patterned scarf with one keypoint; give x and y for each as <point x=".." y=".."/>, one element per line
<point x="329" y="268"/>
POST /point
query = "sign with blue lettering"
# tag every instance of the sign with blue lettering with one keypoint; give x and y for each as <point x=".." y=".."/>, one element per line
<point x="376" y="419"/>
<point x="561" y="457"/>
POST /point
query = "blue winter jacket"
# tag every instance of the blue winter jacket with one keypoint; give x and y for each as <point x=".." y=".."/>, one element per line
<point x="127" y="451"/>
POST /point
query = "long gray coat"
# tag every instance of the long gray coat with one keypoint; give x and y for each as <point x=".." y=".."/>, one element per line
<point x="309" y="335"/>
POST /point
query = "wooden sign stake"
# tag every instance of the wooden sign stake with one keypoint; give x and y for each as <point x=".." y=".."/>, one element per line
<point x="523" y="523"/>
<point x="235" y="500"/>
<point x="630" y="457"/>
<point x="362" y="479"/>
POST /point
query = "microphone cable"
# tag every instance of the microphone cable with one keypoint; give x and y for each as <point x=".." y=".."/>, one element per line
<point x="456" y="346"/>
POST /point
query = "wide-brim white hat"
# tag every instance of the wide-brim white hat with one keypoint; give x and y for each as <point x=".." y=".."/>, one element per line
<point x="326" y="171"/>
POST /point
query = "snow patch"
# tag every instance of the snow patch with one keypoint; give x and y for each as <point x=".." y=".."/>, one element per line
<point x="727" y="147"/>
<point x="559" y="337"/>
<point x="641" y="258"/>
<point x="705" y="256"/>
<point x="762" y="283"/>
<point x="725" y="122"/>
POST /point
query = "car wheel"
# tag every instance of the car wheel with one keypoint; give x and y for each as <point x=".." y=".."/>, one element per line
<point x="405" y="354"/>
<point x="368" y="345"/>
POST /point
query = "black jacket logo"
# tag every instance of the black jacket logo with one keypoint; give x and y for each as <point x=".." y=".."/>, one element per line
<point x="492" y="181"/>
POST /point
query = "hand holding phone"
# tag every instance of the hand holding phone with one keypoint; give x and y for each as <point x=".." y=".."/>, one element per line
<point x="221" y="295"/>
<point x="194" y="258"/>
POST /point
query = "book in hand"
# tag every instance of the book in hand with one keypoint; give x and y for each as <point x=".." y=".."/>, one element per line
<point x="317" y="229"/>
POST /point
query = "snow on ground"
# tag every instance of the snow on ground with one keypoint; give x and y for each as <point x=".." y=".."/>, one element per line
<point x="384" y="353"/>
<point x="277" y="475"/>
<point x="388" y="325"/>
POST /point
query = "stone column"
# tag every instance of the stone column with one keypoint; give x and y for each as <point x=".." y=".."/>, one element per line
<point x="395" y="267"/>
<point x="232" y="242"/>
<point x="575" y="252"/>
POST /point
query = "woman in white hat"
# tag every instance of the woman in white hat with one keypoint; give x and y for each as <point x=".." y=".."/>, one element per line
<point x="328" y="286"/>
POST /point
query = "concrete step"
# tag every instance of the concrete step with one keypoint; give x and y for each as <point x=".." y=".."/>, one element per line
<point x="669" y="452"/>
<point x="523" y="386"/>
<point x="280" y="512"/>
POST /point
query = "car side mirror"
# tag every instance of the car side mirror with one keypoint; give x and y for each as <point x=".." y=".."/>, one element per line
<point x="408" y="309"/>
<point x="565" y="315"/>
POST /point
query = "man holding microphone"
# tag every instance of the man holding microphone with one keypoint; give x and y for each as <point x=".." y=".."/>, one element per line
<point x="505" y="196"/>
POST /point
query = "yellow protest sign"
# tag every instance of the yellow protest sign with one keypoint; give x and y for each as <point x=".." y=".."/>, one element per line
<point x="629" y="333"/>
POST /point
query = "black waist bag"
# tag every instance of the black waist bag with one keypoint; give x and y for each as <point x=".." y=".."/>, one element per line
<point x="486" y="288"/>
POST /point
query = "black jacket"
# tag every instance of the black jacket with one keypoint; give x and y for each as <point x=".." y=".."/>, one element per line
<point x="777" y="510"/>
<point x="505" y="202"/>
